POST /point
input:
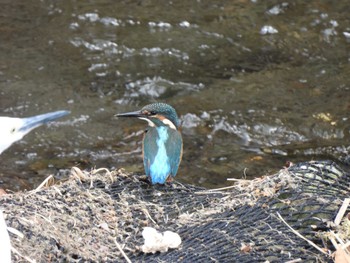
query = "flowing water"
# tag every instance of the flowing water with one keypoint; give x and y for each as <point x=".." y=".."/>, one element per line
<point x="256" y="83"/>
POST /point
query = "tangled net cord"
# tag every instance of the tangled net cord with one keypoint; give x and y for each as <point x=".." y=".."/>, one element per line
<point x="100" y="215"/>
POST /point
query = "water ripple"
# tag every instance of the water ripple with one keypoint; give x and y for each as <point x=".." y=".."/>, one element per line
<point x="155" y="87"/>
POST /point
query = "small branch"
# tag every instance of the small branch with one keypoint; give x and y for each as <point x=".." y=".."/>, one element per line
<point x="347" y="244"/>
<point x="19" y="254"/>
<point x="45" y="182"/>
<point x="301" y="236"/>
<point x="342" y="211"/>
<point x="238" y="180"/>
<point x="334" y="242"/>
<point x="15" y="232"/>
<point x="222" y="188"/>
<point x="148" y="215"/>
<point x="57" y="190"/>
<point x="121" y="251"/>
<point x="106" y="170"/>
<point x="294" y="260"/>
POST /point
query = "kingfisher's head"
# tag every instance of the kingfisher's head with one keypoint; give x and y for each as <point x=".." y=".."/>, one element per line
<point x="156" y="114"/>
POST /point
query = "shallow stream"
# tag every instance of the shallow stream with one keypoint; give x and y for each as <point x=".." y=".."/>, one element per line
<point x="257" y="84"/>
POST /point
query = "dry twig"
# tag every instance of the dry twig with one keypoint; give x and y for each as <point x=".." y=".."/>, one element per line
<point x="301" y="236"/>
<point x="121" y="251"/>
<point x="342" y="211"/>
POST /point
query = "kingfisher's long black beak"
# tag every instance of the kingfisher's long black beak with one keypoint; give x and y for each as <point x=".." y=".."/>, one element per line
<point x="137" y="114"/>
<point x="35" y="121"/>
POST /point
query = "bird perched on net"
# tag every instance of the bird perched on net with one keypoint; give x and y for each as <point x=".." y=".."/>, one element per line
<point x="13" y="129"/>
<point x="162" y="142"/>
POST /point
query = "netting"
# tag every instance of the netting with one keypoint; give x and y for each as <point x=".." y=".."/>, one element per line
<point x="85" y="218"/>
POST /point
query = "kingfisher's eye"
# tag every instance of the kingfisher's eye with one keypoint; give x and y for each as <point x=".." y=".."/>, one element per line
<point x="153" y="113"/>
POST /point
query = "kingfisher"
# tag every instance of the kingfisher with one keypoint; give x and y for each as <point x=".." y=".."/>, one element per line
<point x="162" y="142"/>
<point x="13" y="129"/>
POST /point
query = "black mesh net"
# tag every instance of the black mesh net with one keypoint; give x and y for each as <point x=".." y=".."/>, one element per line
<point x="84" y="218"/>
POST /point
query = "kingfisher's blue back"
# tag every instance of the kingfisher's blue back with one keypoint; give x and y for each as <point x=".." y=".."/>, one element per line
<point x="162" y="152"/>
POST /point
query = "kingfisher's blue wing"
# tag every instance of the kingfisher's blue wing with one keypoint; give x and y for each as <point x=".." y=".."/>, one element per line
<point x="174" y="149"/>
<point x="149" y="149"/>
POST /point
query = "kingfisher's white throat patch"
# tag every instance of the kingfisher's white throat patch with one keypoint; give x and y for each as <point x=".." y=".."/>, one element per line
<point x="150" y="123"/>
<point x="169" y="123"/>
